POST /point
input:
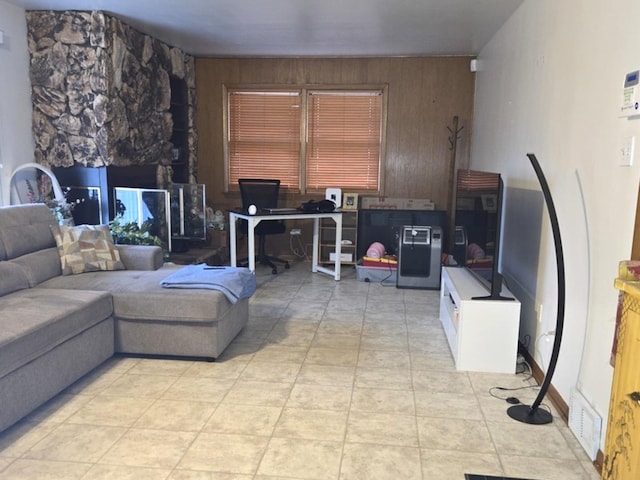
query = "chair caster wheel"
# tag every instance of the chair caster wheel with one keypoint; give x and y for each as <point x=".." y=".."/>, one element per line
<point x="274" y="271"/>
<point x="286" y="266"/>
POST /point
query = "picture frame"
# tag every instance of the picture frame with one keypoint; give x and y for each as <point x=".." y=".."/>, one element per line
<point x="489" y="202"/>
<point x="350" y="201"/>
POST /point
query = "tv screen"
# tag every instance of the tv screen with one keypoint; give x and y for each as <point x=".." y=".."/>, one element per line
<point x="478" y="213"/>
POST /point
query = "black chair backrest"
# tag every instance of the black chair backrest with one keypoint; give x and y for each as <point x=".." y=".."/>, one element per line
<point x="262" y="193"/>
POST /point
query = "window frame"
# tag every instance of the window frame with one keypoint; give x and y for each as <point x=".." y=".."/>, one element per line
<point x="304" y="91"/>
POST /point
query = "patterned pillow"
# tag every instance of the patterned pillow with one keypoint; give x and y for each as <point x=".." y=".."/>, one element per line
<point x="86" y="248"/>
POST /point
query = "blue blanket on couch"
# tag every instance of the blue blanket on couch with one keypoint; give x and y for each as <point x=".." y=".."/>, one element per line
<point x="235" y="282"/>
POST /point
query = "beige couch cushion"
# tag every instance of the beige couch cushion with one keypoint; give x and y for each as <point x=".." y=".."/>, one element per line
<point x="137" y="295"/>
<point x="25" y="229"/>
<point x="12" y="278"/>
<point x="86" y="248"/>
<point x="36" y="320"/>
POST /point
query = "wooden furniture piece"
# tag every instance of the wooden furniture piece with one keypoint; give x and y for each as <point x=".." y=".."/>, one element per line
<point x="482" y="334"/>
<point x="622" y="445"/>
<point x="327" y="252"/>
<point x="254" y="220"/>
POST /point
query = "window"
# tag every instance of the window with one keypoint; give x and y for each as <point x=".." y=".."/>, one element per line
<point x="264" y="136"/>
<point x="330" y="138"/>
<point x="343" y="141"/>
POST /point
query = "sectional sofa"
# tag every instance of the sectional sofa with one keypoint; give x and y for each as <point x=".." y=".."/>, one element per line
<point x="55" y="328"/>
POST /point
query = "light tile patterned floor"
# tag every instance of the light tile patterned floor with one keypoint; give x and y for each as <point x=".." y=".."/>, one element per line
<point x="330" y="380"/>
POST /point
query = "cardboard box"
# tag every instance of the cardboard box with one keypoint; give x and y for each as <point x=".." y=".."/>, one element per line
<point x="344" y="257"/>
<point x="419" y="204"/>
<point x="389" y="203"/>
<point x="383" y="203"/>
<point x="217" y="238"/>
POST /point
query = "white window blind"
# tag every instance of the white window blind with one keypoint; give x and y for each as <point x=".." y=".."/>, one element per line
<point x="344" y="139"/>
<point x="342" y="130"/>
<point x="264" y="136"/>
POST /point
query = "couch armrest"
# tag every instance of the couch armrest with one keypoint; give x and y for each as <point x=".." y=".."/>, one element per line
<point x="141" y="257"/>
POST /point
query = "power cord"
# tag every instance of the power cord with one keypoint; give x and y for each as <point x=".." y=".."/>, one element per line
<point x="505" y="389"/>
<point x="528" y="369"/>
<point x="298" y="251"/>
<point x="545" y="335"/>
<point x="515" y="400"/>
<point x="388" y="284"/>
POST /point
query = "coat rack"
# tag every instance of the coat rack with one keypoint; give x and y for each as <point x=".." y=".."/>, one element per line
<point x="453" y="145"/>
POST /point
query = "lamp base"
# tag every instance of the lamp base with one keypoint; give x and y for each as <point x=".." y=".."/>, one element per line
<point x="525" y="414"/>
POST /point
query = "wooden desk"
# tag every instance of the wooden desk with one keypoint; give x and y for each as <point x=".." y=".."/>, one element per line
<point x="254" y="220"/>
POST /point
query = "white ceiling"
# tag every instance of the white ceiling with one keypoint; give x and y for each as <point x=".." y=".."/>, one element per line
<point x="322" y="28"/>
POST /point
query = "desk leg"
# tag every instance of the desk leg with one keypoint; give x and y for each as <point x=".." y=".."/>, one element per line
<point x="338" y="220"/>
<point x="251" y="251"/>
<point x="316" y="243"/>
<point x="232" y="239"/>
<point x="338" y="246"/>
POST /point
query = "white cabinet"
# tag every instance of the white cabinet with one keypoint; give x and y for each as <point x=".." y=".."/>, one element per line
<point x="482" y="334"/>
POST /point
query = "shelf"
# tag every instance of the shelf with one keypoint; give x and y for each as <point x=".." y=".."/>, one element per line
<point x="328" y="236"/>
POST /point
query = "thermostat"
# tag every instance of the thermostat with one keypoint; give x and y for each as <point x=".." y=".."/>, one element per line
<point x="631" y="95"/>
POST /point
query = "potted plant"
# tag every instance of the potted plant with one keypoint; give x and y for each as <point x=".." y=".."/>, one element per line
<point x="130" y="233"/>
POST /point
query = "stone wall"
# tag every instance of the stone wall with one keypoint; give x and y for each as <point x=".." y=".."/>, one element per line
<point x="101" y="92"/>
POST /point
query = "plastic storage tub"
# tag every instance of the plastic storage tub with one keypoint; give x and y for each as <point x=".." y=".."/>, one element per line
<point x="376" y="274"/>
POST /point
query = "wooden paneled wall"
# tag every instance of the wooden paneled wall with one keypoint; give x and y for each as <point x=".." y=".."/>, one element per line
<point x="425" y="93"/>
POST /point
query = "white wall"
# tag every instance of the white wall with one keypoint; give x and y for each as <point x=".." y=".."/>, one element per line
<point x="16" y="139"/>
<point x="550" y="83"/>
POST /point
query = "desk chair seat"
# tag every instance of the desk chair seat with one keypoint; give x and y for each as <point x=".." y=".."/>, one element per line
<point x="263" y="194"/>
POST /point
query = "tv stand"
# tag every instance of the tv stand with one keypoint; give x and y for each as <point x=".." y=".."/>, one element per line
<point x="482" y="334"/>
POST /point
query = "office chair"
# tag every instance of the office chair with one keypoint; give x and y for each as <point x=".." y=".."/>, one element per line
<point x="263" y="194"/>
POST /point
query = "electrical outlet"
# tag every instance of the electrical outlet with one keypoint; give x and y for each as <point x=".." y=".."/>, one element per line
<point x="295" y="231"/>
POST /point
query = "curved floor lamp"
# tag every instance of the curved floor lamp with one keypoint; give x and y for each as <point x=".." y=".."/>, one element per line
<point x="533" y="414"/>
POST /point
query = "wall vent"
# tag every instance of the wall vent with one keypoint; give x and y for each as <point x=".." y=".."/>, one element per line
<point x="585" y="423"/>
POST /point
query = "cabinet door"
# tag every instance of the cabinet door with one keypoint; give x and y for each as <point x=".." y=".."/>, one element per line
<point x="622" y="450"/>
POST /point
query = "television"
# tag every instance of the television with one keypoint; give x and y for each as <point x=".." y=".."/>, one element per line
<point x="478" y="217"/>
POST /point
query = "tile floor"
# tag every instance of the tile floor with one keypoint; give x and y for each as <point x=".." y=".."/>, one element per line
<point x="330" y="380"/>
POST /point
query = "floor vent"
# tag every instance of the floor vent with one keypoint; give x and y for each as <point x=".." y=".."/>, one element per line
<point x="585" y="423"/>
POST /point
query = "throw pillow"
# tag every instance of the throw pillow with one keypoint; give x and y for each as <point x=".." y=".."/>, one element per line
<point x="86" y="248"/>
